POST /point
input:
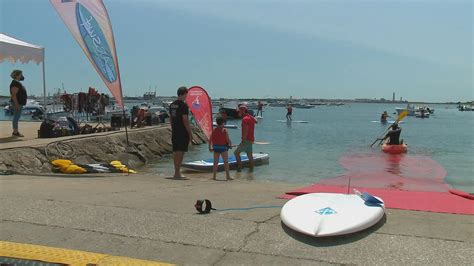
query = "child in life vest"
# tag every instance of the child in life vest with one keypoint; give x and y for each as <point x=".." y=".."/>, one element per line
<point x="220" y="144"/>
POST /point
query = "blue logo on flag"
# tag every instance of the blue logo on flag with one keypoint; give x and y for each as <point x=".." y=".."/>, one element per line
<point x="196" y="105"/>
<point x="96" y="43"/>
<point x="326" y="211"/>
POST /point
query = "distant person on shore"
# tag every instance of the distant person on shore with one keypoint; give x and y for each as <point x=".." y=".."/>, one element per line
<point x="219" y="144"/>
<point x="223" y="114"/>
<point x="248" y="128"/>
<point x="394" y="135"/>
<point x="289" y="112"/>
<point x="180" y="130"/>
<point x="260" y="109"/>
<point x="18" y="99"/>
<point x="383" y="117"/>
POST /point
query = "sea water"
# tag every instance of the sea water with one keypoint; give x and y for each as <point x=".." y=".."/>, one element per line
<point x="306" y="153"/>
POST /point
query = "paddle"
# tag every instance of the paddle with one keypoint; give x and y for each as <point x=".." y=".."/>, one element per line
<point x="399" y="118"/>
<point x="256" y="143"/>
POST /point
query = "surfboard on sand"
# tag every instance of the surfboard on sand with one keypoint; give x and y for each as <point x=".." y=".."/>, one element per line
<point x="330" y="214"/>
<point x="292" y="121"/>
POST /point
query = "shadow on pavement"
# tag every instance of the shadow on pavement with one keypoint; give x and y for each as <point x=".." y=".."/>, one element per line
<point x="333" y="240"/>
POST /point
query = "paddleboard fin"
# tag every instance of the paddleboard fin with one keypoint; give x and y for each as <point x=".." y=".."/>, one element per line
<point x="368" y="199"/>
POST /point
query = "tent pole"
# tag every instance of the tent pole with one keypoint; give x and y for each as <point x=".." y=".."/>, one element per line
<point x="44" y="83"/>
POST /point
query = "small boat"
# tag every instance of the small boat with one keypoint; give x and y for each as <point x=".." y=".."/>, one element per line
<point x="463" y="108"/>
<point x="32" y="107"/>
<point x="413" y="110"/>
<point x="410" y="109"/>
<point x="394" y="149"/>
<point x="279" y="104"/>
<point x="231" y="110"/>
<point x="422" y="115"/>
<point x="207" y="165"/>
<point x="302" y="105"/>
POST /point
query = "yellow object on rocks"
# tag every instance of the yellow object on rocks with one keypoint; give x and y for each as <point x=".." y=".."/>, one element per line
<point x="121" y="167"/>
<point x="61" y="163"/>
<point x="73" y="169"/>
<point x="69" y="167"/>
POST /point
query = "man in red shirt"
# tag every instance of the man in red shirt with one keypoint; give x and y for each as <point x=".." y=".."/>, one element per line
<point x="248" y="128"/>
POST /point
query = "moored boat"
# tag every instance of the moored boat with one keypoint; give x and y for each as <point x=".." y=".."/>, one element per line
<point x="231" y="109"/>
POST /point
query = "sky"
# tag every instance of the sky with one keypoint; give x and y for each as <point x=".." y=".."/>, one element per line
<point x="421" y="50"/>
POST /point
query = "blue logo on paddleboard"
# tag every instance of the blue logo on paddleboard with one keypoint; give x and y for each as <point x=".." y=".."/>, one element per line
<point x="326" y="211"/>
<point x="96" y="43"/>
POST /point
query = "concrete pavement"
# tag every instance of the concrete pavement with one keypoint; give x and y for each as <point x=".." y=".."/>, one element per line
<point x="149" y="217"/>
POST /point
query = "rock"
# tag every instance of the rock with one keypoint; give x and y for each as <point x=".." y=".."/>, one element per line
<point x="145" y="145"/>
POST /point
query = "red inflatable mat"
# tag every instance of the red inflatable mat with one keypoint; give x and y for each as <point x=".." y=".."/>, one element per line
<point x="442" y="202"/>
<point x="403" y="181"/>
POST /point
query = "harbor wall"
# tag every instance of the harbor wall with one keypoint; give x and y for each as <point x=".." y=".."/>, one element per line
<point x="146" y="145"/>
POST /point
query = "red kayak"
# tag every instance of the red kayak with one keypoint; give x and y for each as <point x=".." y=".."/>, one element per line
<point x="394" y="149"/>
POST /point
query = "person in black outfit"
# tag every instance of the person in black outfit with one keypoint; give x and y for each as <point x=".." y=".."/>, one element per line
<point x="394" y="135"/>
<point x="18" y="99"/>
<point x="259" y="108"/>
<point x="181" y="131"/>
<point x="383" y="117"/>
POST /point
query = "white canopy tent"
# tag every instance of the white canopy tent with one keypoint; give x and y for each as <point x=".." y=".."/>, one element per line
<point x="13" y="50"/>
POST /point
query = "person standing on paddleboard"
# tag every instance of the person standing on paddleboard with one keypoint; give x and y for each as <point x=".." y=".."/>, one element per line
<point x="383" y="117"/>
<point x="180" y="130"/>
<point x="260" y="109"/>
<point x="248" y="128"/>
<point x="289" y="112"/>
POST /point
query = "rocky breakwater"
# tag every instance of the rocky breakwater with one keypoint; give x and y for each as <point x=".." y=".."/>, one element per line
<point x="147" y="144"/>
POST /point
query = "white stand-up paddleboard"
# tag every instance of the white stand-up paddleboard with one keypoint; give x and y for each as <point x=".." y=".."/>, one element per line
<point x="207" y="165"/>
<point x="292" y="121"/>
<point x="330" y="214"/>
<point x="225" y="125"/>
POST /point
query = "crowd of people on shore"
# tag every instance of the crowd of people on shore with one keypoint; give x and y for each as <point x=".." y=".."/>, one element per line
<point x="219" y="142"/>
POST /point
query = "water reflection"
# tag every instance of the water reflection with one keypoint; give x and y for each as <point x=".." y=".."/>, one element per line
<point x="393" y="164"/>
